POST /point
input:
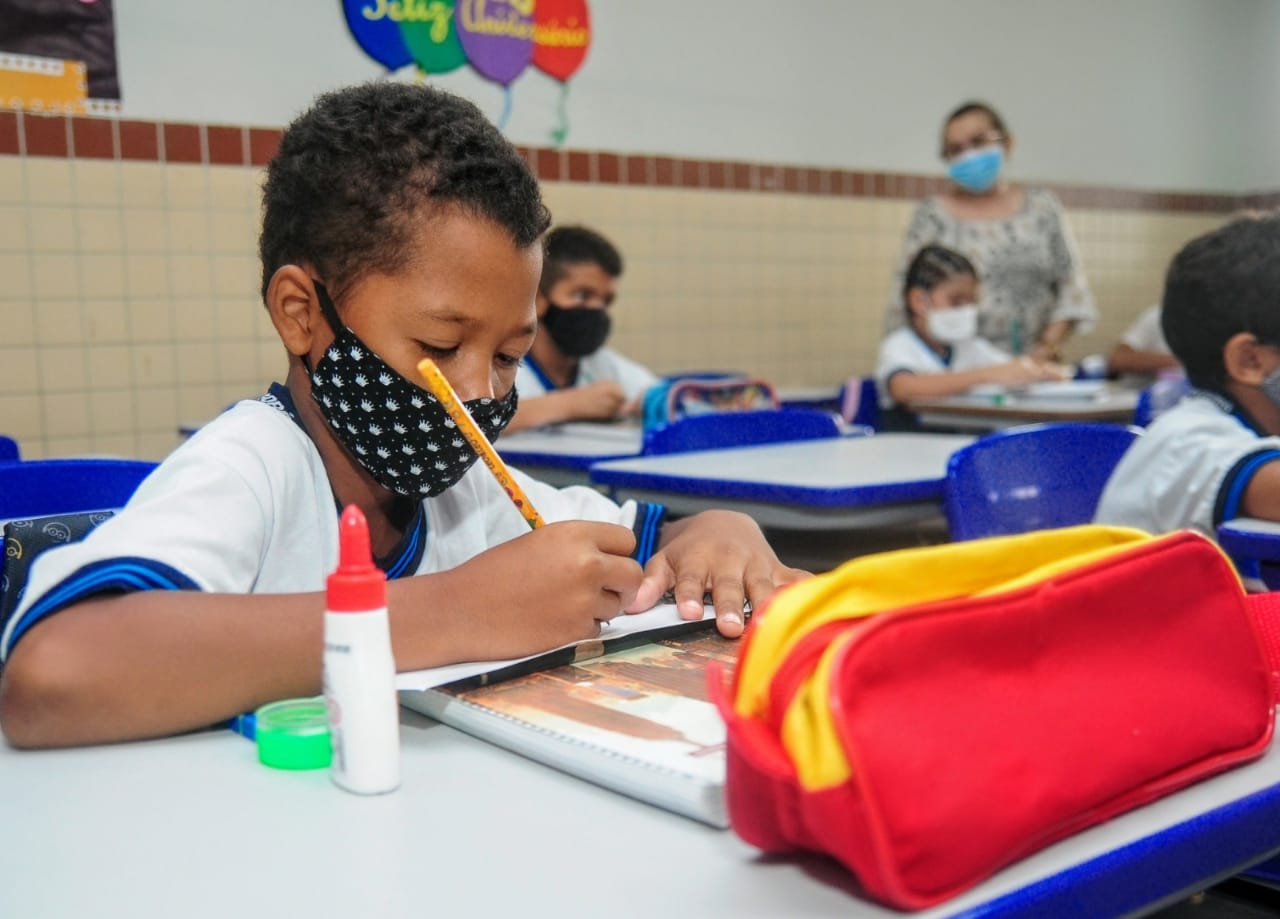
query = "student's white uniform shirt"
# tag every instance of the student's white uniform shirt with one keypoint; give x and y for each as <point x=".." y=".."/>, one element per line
<point x="903" y="351"/>
<point x="604" y="364"/>
<point x="1145" y="334"/>
<point x="245" y="506"/>
<point x="1189" y="470"/>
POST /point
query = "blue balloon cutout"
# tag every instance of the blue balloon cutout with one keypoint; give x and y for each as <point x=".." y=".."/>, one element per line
<point x="376" y="32"/>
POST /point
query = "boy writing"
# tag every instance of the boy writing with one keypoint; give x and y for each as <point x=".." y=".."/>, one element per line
<point x="397" y="224"/>
<point x="569" y="374"/>
<point x="1213" y="456"/>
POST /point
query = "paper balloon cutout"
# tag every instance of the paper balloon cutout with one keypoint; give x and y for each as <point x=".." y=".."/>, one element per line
<point x="432" y="38"/>
<point x="376" y="32"/>
<point x="497" y="36"/>
<point x="561" y="36"/>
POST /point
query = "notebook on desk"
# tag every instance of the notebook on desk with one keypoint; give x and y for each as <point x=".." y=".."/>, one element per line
<point x="636" y="720"/>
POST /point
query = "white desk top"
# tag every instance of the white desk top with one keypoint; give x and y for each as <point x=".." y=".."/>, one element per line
<point x="813" y="484"/>
<point x="563" y="454"/>
<point x="195" y="827"/>
<point x="991" y="412"/>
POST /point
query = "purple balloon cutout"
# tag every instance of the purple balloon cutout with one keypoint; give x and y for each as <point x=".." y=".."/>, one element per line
<point x="497" y="36"/>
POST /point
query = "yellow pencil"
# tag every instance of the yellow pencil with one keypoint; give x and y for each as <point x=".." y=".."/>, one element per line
<point x="439" y="387"/>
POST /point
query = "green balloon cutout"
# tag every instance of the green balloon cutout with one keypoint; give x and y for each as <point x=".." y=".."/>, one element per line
<point x="429" y="34"/>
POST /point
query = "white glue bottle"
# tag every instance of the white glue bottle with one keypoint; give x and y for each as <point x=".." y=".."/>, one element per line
<point x="359" y="671"/>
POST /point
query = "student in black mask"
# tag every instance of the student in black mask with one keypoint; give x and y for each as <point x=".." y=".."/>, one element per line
<point x="570" y="375"/>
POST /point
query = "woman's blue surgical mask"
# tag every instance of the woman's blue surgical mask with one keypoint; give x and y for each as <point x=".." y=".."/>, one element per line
<point x="977" y="170"/>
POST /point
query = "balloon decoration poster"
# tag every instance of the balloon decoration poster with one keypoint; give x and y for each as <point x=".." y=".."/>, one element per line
<point x="58" y="56"/>
<point x="499" y="39"/>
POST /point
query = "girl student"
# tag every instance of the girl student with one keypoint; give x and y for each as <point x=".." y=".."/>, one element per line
<point x="939" y="352"/>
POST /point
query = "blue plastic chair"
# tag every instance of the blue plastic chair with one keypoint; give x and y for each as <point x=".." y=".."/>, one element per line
<point x="9" y="452"/>
<point x="1029" y="478"/>
<point x="860" y="402"/>
<point x="1158" y="398"/>
<point x="739" y="429"/>
<point x="39" y="488"/>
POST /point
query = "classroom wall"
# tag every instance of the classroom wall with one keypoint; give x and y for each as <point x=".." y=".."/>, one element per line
<point x="762" y="239"/>
<point x="131" y="304"/>
<point x="1154" y="94"/>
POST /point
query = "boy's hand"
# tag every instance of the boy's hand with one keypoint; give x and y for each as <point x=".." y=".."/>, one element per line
<point x="546" y="588"/>
<point x="718" y="552"/>
<point x="603" y="399"/>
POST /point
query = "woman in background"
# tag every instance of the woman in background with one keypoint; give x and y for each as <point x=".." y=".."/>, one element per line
<point x="938" y="352"/>
<point x="1035" y="292"/>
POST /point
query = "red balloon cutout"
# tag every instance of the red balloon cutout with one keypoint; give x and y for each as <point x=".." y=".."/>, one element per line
<point x="561" y="36"/>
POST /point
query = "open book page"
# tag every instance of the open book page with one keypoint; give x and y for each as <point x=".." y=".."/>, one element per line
<point x="662" y="616"/>
<point x="637" y="721"/>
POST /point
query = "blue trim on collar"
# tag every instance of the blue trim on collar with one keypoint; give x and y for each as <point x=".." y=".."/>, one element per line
<point x="541" y="374"/>
<point x="947" y="354"/>
<point x="403" y="559"/>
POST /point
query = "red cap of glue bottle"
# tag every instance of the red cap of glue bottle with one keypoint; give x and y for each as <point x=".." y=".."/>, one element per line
<point x="357" y="584"/>
<point x="359" y="670"/>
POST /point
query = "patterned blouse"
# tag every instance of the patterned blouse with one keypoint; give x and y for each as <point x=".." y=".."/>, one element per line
<point x="1027" y="264"/>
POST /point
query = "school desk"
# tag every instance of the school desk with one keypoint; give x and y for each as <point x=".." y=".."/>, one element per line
<point x="991" y="412"/>
<point x="828" y="484"/>
<point x="562" y="454"/>
<point x="193" y="826"/>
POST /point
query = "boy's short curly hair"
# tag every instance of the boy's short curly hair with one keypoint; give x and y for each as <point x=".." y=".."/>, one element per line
<point x="1220" y="284"/>
<point x="355" y="171"/>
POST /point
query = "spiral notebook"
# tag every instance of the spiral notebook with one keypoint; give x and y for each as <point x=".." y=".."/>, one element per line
<point x="637" y="721"/>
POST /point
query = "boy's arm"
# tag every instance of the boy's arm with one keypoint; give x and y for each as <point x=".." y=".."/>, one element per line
<point x="1262" y="494"/>
<point x="151" y="663"/>
<point x="1125" y="358"/>
<point x="906" y="386"/>
<point x="720" y="552"/>
<point x="598" y="401"/>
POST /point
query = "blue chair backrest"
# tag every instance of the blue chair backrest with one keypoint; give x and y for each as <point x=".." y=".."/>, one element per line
<point x="739" y="429"/>
<point x="38" y="488"/>
<point x="1030" y="478"/>
<point x="1158" y="398"/>
<point x="860" y="402"/>
<point x="9" y="450"/>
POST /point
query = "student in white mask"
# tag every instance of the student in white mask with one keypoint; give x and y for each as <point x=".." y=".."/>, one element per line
<point x="938" y="352"/>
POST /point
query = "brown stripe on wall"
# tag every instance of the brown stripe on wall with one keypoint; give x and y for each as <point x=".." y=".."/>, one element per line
<point x="233" y="145"/>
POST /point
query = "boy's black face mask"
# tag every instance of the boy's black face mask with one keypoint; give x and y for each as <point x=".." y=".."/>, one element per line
<point x="578" y="330"/>
<point x="399" y="432"/>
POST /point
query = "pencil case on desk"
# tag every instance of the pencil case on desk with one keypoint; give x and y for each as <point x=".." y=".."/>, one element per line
<point x="930" y="715"/>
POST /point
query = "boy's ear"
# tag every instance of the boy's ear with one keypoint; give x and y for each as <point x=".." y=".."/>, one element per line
<point x="1242" y="359"/>
<point x="294" y="310"/>
<point x="540" y="303"/>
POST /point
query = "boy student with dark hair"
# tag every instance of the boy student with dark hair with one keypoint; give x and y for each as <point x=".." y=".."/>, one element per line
<point x="397" y="224"/>
<point x="1213" y="456"/>
<point x="569" y="374"/>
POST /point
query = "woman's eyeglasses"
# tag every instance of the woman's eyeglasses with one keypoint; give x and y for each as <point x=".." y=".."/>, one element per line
<point x="977" y="142"/>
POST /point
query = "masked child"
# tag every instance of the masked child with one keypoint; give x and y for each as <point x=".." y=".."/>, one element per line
<point x="1212" y="457"/>
<point x="570" y="374"/>
<point x="397" y="224"/>
<point x="938" y="352"/>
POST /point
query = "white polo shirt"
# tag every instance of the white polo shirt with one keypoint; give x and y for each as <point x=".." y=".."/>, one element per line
<point x="604" y="364"/>
<point x="1189" y="470"/>
<point x="245" y="506"/>
<point x="903" y="351"/>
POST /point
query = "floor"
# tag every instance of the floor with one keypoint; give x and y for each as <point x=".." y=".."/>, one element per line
<point x="1232" y="899"/>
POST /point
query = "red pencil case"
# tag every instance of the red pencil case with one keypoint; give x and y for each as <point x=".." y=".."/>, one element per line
<point x="931" y="715"/>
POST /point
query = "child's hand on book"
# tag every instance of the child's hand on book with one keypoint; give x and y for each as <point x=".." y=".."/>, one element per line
<point x="551" y="586"/>
<point x="718" y="552"/>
